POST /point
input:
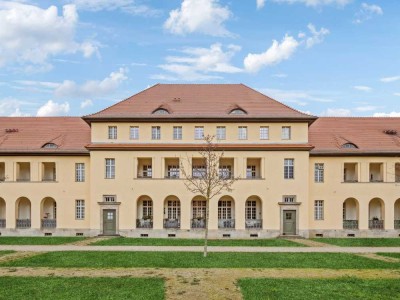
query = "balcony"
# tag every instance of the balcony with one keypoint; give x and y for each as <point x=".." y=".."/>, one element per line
<point x="226" y="223"/>
<point x="376" y="224"/>
<point x="198" y="223"/>
<point x="23" y="223"/>
<point x="253" y="224"/>
<point x="2" y="223"/>
<point x="145" y="174"/>
<point x="172" y="223"/>
<point x="350" y="224"/>
<point x="144" y="223"/>
<point x="396" y="224"/>
<point x="49" y="223"/>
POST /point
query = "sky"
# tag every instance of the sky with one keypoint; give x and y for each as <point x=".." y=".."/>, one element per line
<point x="322" y="57"/>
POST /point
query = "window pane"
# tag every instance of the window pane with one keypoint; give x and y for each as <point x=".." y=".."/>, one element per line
<point x="155" y="132"/>
<point x="80" y="172"/>
<point x="112" y="132"/>
<point x="199" y="132"/>
<point x="221" y="133"/>
<point x="288" y="169"/>
<point x="110" y="168"/>
<point x="242" y="133"/>
<point x="319" y="172"/>
<point x="264" y="133"/>
<point x="177" y="133"/>
<point x="286" y="134"/>
<point x="134" y="133"/>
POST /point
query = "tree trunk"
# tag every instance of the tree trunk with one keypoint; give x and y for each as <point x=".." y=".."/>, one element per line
<point x="206" y="229"/>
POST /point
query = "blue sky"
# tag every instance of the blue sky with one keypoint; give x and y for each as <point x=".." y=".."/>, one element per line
<point x="324" y="57"/>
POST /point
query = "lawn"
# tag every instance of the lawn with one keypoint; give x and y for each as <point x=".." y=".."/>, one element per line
<point x="361" y="242"/>
<point x="121" y="241"/>
<point x="97" y="259"/>
<point x="341" y="288"/>
<point x="81" y="288"/>
<point x="5" y="252"/>
<point x="395" y="255"/>
<point x="39" y="240"/>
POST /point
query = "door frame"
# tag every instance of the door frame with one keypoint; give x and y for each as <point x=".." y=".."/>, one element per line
<point x="295" y="206"/>
<point x="105" y="212"/>
<point x="105" y="206"/>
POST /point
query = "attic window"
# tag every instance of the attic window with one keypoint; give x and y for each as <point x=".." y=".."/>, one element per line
<point x="238" y="111"/>
<point x="161" y="111"/>
<point x="50" y="146"/>
<point x="349" y="146"/>
<point x="390" y="131"/>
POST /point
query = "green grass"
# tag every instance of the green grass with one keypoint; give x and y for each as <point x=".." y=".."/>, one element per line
<point x="395" y="255"/>
<point x="341" y="288"/>
<point x="81" y="288"/>
<point x="121" y="241"/>
<point x="100" y="259"/>
<point x="39" y="240"/>
<point x="5" y="252"/>
<point x="361" y="242"/>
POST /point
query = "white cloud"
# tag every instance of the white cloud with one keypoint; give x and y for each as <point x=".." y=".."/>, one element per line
<point x="275" y="54"/>
<point x="12" y="107"/>
<point x="260" y="4"/>
<point x="86" y="103"/>
<point x="127" y="6"/>
<point x="301" y="98"/>
<point x="316" y="37"/>
<point x="366" y="12"/>
<point x="19" y="113"/>
<point x="200" y="16"/>
<point x="30" y="34"/>
<point x="391" y="114"/>
<point x="390" y="79"/>
<point x="53" y="109"/>
<point x="92" y="88"/>
<point x="366" y="108"/>
<point x="336" y="112"/>
<point x="315" y="3"/>
<point x="198" y="63"/>
<point x="362" y="88"/>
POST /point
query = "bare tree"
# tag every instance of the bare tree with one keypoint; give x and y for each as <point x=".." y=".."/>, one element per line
<point x="207" y="178"/>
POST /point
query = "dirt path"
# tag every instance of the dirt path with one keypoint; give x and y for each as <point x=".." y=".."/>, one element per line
<point x="200" y="283"/>
<point x="17" y="255"/>
<point x="310" y="243"/>
<point x="90" y="240"/>
<point x="380" y="257"/>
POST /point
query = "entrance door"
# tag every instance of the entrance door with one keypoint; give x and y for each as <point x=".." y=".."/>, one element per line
<point x="109" y="222"/>
<point x="289" y="222"/>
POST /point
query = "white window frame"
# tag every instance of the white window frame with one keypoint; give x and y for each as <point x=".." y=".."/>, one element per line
<point x="109" y="198"/>
<point x="319" y="210"/>
<point x="173" y="171"/>
<point x="147" y="209"/>
<point x="251" y="171"/>
<point x="319" y="172"/>
<point x="264" y="132"/>
<point x="221" y="132"/>
<point x="289" y="199"/>
<point x="242" y="132"/>
<point x="156" y="132"/>
<point x="225" y="171"/>
<point x="288" y="168"/>
<point x="112" y="132"/>
<point x="80" y="209"/>
<point x="251" y="210"/>
<point x="199" y="209"/>
<point x="177" y="132"/>
<point x="134" y="132"/>
<point x="286" y="132"/>
<point x="224" y="210"/>
<point x="147" y="171"/>
<point x="110" y="168"/>
<point x="199" y="171"/>
<point x="173" y="210"/>
<point x="80" y="172"/>
<point x="199" y="132"/>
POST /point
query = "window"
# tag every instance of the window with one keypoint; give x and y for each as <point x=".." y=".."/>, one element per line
<point x="174" y="210"/>
<point x="109" y="198"/>
<point x="319" y="172"/>
<point x="134" y="132"/>
<point x="289" y="199"/>
<point x="349" y="146"/>
<point x="225" y="172"/>
<point x="251" y="210"/>
<point x="80" y="209"/>
<point x="155" y="132"/>
<point x="173" y="171"/>
<point x="286" y="133"/>
<point x="221" y="132"/>
<point x="112" y="132"/>
<point x="177" y="132"/>
<point x="50" y="146"/>
<point x="288" y="169"/>
<point x="147" y="171"/>
<point x="147" y="209"/>
<point x="198" y="171"/>
<point x="242" y="132"/>
<point x="161" y="111"/>
<point x="199" y="132"/>
<point x="224" y="210"/>
<point x="199" y="209"/>
<point x="79" y="172"/>
<point x="110" y="168"/>
<point x="237" y="111"/>
<point x="319" y="209"/>
<point x="251" y="172"/>
<point x="264" y="133"/>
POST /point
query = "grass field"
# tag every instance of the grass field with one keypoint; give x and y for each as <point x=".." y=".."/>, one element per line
<point x="93" y="259"/>
<point x="361" y="242"/>
<point x="81" y="288"/>
<point x="121" y="241"/>
<point x="39" y="240"/>
<point x="341" y="288"/>
<point x="5" y="252"/>
<point x="395" y="255"/>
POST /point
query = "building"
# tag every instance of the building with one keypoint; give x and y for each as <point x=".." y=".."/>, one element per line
<point x="117" y="171"/>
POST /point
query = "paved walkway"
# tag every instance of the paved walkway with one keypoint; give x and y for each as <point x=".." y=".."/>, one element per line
<point x="333" y="249"/>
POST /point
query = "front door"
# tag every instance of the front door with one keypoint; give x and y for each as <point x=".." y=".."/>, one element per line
<point x="109" y="222"/>
<point x="289" y="222"/>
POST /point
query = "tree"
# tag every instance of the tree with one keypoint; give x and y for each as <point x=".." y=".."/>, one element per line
<point x="207" y="179"/>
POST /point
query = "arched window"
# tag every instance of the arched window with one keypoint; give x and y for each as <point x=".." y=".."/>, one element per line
<point x="349" y="146"/>
<point x="160" y="111"/>
<point x="50" y="146"/>
<point x="238" y="111"/>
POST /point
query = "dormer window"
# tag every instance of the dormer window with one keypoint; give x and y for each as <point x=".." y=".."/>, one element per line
<point x="50" y="146"/>
<point x="238" y="111"/>
<point x="349" y="146"/>
<point x="161" y="111"/>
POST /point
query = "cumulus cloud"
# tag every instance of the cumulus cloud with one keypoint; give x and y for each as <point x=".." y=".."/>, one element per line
<point x="198" y="63"/>
<point x="275" y="54"/>
<point x="336" y="112"/>
<point x="30" y="34"/>
<point x="366" y="12"/>
<point x="12" y="107"/>
<point x="391" y="114"/>
<point x="86" y="103"/>
<point x="53" y="109"/>
<point x="260" y="4"/>
<point x="362" y="88"/>
<point x="199" y="16"/>
<point x="127" y="6"/>
<point x="317" y="36"/>
<point x="390" y="79"/>
<point x="316" y="3"/>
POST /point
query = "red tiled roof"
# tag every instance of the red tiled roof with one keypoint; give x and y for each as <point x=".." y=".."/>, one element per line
<point x="29" y="134"/>
<point x="206" y="101"/>
<point x="368" y="134"/>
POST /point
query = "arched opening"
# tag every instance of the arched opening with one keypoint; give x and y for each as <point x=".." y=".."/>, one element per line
<point x="199" y="212"/>
<point x="397" y="214"/>
<point x="226" y="212"/>
<point x="23" y="213"/>
<point x="2" y="213"/>
<point x="144" y="212"/>
<point x="172" y="212"/>
<point x="376" y="214"/>
<point x="48" y="210"/>
<point x="253" y="212"/>
<point x="350" y="213"/>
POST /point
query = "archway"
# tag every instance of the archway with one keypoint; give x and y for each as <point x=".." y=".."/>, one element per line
<point x="226" y="212"/>
<point x="376" y="214"/>
<point x="48" y="210"/>
<point x="144" y="212"/>
<point x="350" y="213"/>
<point x="23" y="212"/>
<point x="172" y="212"/>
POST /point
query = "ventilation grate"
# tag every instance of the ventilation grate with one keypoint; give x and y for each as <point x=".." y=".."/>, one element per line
<point x="144" y="235"/>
